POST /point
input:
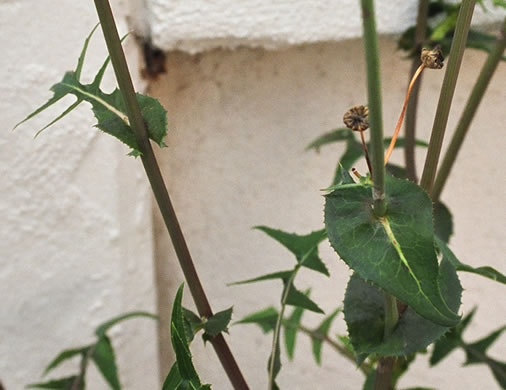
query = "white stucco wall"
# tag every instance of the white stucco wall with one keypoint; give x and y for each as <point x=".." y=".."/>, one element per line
<point x="240" y="121"/>
<point x="200" y="25"/>
<point x="75" y="246"/>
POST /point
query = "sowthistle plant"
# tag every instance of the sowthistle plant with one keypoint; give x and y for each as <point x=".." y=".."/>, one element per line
<point x="404" y="293"/>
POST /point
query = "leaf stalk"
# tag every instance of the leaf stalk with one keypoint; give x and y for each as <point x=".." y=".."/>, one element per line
<point x="159" y="189"/>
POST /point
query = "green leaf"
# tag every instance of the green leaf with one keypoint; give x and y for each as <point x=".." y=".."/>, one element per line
<point x="485" y="271"/>
<point x="183" y="357"/>
<point x="66" y="355"/>
<point x="277" y="365"/>
<point x="217" y="323"/>
<point x="395" y="252"/>
<point x="369" y="382"/>
<point x="476" y="351"/>
<point x="364" y="315"/>
<point x="58" y="384"/>
<point x="321" y="333"/>
<point x="103" y="328"/>
<point x="173" y="379"/>
<point x="445" y="27"/>
<point x="104" y="359"/>
<point x="291" y="329"/>
<point x="299" y="299"/>
<point x="397" y="171"/>
<point x="283" y="275"/>
<point x="305" y="248"/>
<point x="453" y="339"/>
<point x="342" y="134"/>
<point x="109" y="109"/>
<point x="443" y="222"/>
<point x="193" y="323"/>
<point x="351" y="155"/>
<point x="266" y="319"/>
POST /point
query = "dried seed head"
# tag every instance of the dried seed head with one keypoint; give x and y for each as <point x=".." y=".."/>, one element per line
<point x="357" y="118"/>
<point x="432" y="59"/>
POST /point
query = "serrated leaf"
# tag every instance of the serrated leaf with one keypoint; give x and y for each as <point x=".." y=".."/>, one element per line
<point x="291" y="329"/>
<point x="364" y="315"/>
<point x="443" y="222"/>
<point x="266" y="319"/>
<point x="299" y="299"/>
<point x="104" y="359"/>
<point x="177" y="317"/>
<point x="193" y="323"/>
<point x="283" y="275"/>
<point x="451" y="340"/>
<point x="396" y="252"/>
<point x="109" y="109"/>
<point x="485" y="271"/>
<point x="65" y="355"/>
<point x="58" y="384"/>
<point x="475" y="352"/>
<point x="305" y="248"/>
<point x="102" y="329"/>
<point x="217" y="323"/>
<point x="183" y="357"/>
<point x="173" y="379"/>
<point x="321" y="333"/>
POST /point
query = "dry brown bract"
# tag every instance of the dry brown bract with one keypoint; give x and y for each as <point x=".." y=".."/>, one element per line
<point x="357" y="118"/>
<point x="432" y="59"/>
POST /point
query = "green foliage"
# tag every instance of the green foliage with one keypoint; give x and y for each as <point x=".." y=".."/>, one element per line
<point x="476" y="352"/>
<point x="109" y="109"/>
<point x="183" y="374"/>
<point x="364" y="315"/>
<point x="486" y="271"/>
<point x="265" y="319"/>
<point x="382" y="250"/>
<point x="441" y="28"/>
<point x="321" y="333"/>
<point x="100" y="352"/>
<point x="291" y="329"/>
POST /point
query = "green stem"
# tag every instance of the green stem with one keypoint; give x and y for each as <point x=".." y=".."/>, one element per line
<point x="277" y="329"/>
<point x="447" y="91"/>
<point x="469" y="111"/>
<point x="374" y="102"/>
<point x="420" y="34"/>
<point x="159" y="189"/>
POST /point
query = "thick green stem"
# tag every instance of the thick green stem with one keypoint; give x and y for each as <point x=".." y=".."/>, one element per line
<point x="374" y="102"/>
<point x="420" y="34"/>
<point x="469" y="111"/>
<point x="159" y="189"/>
<point x="447" y="91"/>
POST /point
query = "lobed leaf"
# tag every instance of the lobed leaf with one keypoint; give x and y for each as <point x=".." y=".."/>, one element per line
<point x="291" y="329"/>
<point x="59" y="384"/>
<point x="485" y="271"/>
<point x="322" y="332"/>
<point x="104" y="359"/>
<point x="217" y="323"/>
<point x="305" y="248"/>
<point x="395" y="252"/>
<point x="265" y="319"/>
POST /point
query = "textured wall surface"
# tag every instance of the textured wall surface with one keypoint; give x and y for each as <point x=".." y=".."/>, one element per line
<point x="240" y="121"/>
<point x="199" y="25"/>
<point x="75" y="244"/>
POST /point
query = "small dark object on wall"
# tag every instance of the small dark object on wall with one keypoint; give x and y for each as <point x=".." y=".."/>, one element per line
<point x="154" y="63"/>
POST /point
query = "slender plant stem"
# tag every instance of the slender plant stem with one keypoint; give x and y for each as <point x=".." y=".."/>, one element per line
<point x="366" y="152"/>
<point x="277" y="329"/>
<point x="403" y="113"/>
<point x="470" y="109"/>
<point x="410" y="137"/>
<point x="159" y="189"/>
<point x="447" y="91"/>
<point x="374" y="103"/>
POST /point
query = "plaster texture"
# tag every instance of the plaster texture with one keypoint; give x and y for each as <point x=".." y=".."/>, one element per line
<point x="200" y="25"/>
<point x="239" y="123"/>
<point x="75" y="246"/>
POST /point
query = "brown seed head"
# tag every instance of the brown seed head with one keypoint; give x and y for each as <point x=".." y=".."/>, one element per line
<point x="357" y="118"/>
<point x="432" y="59"/>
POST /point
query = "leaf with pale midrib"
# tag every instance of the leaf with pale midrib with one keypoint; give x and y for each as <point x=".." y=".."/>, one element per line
<point x="396" y="252"/>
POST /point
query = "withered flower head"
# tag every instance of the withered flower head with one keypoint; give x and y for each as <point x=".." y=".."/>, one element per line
<point x="357" y="118"/>
<point x="432" y="59"/>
